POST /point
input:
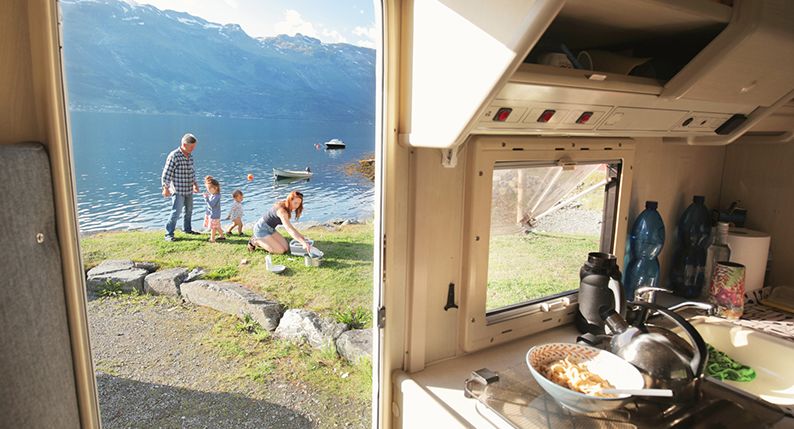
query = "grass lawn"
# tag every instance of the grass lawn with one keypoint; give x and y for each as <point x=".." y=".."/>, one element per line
<point x="340" y="288"/>
<point x="342" y="284"/>
<point x="525" y="267"/>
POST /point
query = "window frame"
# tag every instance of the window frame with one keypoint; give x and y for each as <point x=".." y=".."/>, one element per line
<point x="479" y="328"/>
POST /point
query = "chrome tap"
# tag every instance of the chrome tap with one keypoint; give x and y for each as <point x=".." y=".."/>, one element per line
<point x="648" y="294"/>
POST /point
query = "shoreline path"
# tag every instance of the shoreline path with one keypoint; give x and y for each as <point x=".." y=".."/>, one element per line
<point x="154" y="368"/>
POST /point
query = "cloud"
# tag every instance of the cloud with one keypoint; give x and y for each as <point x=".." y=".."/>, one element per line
<point x="370" y="36"/>
<point x="332" y="36"/>
<point x="294" y="23"/>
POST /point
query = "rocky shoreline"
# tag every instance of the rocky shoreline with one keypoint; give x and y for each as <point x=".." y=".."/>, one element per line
<point x="299" y="325"/>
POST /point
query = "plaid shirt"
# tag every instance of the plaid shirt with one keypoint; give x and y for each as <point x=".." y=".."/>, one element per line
<point x="180" y="172"/>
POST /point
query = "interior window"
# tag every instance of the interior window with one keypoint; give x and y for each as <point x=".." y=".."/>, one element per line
<point x="544" y="220"/>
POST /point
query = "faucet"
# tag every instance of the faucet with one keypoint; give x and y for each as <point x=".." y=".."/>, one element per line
<point x="648" y="294"/>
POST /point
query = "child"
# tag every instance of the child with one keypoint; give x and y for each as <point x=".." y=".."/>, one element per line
<point x="236" y="212"/>
<point x="212" y="218"/>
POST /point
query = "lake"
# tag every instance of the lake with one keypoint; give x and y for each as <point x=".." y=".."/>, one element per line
<point x="119" y="159"/>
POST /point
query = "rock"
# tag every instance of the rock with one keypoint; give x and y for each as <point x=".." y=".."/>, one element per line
<point x="126" y="280"/>
<point x="355" y="344"/>
<point x="244" y="261"/>
<point x="148" y="266"/>
<point x="110" y="266"/>
<point x="195" y="274"/>
<point x="299" y="324"/>
<point x="232" y="298"/>
<point x="308" y="224"/>
<point x="165" y="282"/>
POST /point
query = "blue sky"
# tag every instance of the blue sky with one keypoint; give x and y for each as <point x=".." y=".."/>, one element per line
<point x="332" y="21"/>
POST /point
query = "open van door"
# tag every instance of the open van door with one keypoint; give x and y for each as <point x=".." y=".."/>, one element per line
<point x="45" y="363"/>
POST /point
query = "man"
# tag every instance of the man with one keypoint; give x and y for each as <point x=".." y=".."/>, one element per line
<point x="179" y="183"/>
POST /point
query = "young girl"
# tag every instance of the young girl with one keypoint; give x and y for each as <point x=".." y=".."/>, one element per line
<point x="236" y="212"/>
<point x="212" y="218"/>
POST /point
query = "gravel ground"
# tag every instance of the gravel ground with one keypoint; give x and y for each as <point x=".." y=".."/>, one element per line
<point x="572" y="220"/>
<point x="153" y="372"/>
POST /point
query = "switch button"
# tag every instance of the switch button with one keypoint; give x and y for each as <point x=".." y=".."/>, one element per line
<point x="546" y="115"/>
<point x="584" y="117"/>
<point x="502" y="114"/>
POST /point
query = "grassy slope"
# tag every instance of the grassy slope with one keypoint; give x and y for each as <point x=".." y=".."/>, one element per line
<point x="343" y="282"/>
<point x="525" y="267"/>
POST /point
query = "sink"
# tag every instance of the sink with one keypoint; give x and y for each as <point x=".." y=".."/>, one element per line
<point x="769" y="356"/>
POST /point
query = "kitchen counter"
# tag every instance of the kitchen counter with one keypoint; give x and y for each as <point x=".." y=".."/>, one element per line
<point x="435" y="396"/>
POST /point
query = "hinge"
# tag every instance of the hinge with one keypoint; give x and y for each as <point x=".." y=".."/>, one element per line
<point x="382" y="317"/>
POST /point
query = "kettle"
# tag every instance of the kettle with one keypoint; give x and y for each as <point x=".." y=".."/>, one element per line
<point x="600" y="290"/>
<point x="659" y="359"/>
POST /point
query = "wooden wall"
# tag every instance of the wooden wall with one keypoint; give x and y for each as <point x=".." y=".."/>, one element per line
<point x="669" y="174"/>
<point x="762" y="177"/>
<point x="18" y="117"/>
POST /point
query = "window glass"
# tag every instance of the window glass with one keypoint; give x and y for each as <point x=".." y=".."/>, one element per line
<point x="544" y="221"/>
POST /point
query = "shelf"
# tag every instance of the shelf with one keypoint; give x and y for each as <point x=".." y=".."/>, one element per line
<point x="588" y="24"/>
<point x="538" y="74"/>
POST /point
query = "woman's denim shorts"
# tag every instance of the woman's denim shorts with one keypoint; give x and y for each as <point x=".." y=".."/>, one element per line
<point x="263" y="230"/>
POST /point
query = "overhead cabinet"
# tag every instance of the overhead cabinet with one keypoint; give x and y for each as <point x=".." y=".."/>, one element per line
<point x="687" y="70"/>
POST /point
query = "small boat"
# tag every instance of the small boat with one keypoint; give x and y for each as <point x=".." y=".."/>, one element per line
<point x="334" y="144"/>
<point x="293" y="174"/>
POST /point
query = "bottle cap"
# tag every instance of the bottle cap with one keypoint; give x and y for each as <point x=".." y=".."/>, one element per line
<point x="723" y="226"/>
<point x="699" y="199"/>
<point x="651" y="205"/>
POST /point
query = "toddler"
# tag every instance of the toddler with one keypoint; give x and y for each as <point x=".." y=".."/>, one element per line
<point x="236" y="212"/>
<point x="212" y="218"/>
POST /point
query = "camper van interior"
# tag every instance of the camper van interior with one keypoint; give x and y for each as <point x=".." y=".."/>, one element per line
<point x="493" y="116"/>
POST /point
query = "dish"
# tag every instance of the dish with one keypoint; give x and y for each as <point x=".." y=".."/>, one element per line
<point x="616" y="371"/>
<point x="274" y="268"/>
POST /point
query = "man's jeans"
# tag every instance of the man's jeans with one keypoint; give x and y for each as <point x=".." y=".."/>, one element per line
<point x="177" y="202"/>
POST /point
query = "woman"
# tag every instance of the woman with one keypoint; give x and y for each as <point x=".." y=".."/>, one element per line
<point x="265" y="235"/>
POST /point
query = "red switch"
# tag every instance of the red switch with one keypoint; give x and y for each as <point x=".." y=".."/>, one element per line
<point x="584" y="117"/>
<point x="502" y="114"/>
<point x="546" y="115"/>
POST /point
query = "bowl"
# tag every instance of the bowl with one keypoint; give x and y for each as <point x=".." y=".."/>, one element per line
<point x="618" y="372"/>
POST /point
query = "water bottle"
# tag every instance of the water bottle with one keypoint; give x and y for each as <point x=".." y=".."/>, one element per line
<point x="718" y="251"/>
<point x="687" y="276"/>
<point x="646" y="240"/>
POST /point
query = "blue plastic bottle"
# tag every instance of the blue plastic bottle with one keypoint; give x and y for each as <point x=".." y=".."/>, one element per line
<point x="687" y="276"/>
<point x="646" y="240"/>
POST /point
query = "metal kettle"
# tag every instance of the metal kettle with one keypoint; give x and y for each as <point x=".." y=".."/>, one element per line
<point x="661" y="361"/>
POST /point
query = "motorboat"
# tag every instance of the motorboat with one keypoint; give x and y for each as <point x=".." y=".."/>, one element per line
<point x="279" y="173"/>
<point x="334" y="144"/>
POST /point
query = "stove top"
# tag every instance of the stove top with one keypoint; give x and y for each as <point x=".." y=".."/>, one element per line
<point x="522" y="403"/>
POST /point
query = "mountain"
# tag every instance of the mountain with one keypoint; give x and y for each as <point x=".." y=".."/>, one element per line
<point x="120" y="56"/>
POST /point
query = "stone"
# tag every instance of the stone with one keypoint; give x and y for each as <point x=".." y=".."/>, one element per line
<point x="195" y="274"/>
<point x="165" y="282"/>
<point x="355" y="344"/>
<point x="148" y="266"/>
<point x="126" y="280"/>
<point x="307" y="225"/>
<point x="306" y="325"/>
<point x="110" y="266"/>
<point x="232" y="298"/>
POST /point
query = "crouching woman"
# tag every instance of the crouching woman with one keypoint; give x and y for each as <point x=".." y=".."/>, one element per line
<point x="265" y="235"/>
